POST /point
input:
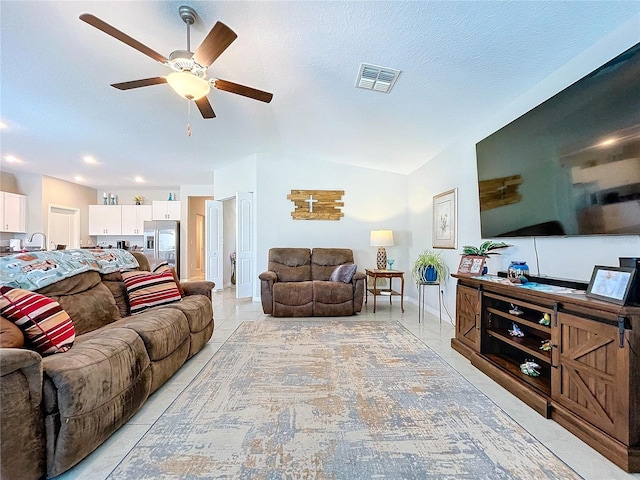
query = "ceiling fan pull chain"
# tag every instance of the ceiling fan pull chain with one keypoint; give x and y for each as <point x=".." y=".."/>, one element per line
<point x="188" y="118"/>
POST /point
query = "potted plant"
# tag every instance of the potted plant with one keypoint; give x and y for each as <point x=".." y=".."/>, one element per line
<point x="484" y="250"/>
<point x="429" y="267"/>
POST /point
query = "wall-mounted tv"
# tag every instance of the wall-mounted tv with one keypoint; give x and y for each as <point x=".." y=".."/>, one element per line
<point x="571" y="165"/>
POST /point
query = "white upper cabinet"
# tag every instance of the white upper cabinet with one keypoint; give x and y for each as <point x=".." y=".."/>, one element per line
<point x="166" y="210"/>
<point x="13" y="212"/>
<point x="105" y="220"/>
<point x="133" y="218"/>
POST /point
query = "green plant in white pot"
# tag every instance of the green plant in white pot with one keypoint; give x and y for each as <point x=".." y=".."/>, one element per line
<point x="427" y="262"/>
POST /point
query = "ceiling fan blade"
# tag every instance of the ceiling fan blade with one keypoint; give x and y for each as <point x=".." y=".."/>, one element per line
<point x="123" y="37"/>
<point x="205" y="107"/>
<point x="216" y="42"/>
<point x="145" y="82"/>
<point x="243" y="90"/>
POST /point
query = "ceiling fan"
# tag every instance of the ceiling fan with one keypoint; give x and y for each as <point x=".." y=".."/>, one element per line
<point x="189" y="76"/>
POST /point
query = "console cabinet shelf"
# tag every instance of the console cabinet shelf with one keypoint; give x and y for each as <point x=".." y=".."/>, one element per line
<point x="589" y="382"/>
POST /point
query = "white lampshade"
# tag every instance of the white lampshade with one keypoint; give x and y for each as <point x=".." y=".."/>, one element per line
<point x="188" y="85"/>
<point x="381" y="238"/>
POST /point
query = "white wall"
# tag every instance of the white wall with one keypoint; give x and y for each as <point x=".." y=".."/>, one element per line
<point x="42" y="191"/>
<point x="572" y="257"/>
<point x="372" y="200"/>
<point x="239" y="176"/>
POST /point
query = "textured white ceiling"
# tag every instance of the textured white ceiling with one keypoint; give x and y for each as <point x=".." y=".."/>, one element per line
<point x="461" y="62"/>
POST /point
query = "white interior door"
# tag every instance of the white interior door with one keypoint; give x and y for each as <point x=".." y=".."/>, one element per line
<point x="213" y="240"/>
<point x="245" y="245"/>
<point x="64" y="226"/>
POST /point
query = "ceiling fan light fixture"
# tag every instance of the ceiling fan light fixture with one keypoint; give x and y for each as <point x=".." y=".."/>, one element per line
<point x="188" y="85"/>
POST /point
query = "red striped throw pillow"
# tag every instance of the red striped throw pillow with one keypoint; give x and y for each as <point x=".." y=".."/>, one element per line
<point x="148" y="289"/>
<point x="164" y="267"/>
<point x="46" y="326"/>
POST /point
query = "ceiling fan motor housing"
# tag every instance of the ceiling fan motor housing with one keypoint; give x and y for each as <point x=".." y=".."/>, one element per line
<point x="182" y="61"/>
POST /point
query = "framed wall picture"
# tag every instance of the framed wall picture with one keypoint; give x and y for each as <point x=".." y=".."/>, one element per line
<point x="445" y="219"/>
<point x="471" y="265"/>
<point x="611" y="284"/>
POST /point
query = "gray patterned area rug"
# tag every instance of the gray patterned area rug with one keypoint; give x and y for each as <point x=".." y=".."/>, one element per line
<point x="329" y="399"/>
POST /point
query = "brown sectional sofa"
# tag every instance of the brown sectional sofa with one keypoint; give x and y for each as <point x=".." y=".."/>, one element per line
<point x="57" y="409"/>
<point x="297" y="283"/>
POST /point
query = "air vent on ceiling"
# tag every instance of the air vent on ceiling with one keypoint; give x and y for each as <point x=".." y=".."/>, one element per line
<point x="380" y="79"/>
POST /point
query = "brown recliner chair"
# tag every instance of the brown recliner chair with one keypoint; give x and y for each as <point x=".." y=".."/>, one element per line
<point x="297" y="283"/>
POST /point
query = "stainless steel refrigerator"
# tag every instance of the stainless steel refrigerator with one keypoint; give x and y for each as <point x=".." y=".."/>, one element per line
<point x="162" y="242"/>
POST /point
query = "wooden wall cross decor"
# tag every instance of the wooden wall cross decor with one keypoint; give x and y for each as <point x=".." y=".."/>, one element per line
<point x="317" y="204"/>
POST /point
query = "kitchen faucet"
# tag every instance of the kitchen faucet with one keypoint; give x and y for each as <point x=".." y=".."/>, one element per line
<point x="44" y="237"/>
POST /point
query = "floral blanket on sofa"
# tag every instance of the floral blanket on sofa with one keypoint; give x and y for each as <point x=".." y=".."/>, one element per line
<point x="34" y="270"/>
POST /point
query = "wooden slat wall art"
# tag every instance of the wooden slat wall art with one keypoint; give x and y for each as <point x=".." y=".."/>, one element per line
<point x="498" y="192"/>
<point x="317" y="204"/>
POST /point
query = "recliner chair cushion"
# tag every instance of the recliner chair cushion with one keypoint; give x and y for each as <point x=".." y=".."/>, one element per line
<point x="293" y="299"/>
<point x="290" y="264"/>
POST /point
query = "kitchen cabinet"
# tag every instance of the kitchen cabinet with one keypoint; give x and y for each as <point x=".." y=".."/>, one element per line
<point x="166" y="210"/>
<point x="133" y="218"/>
<point x="13" y="212"/>
<point x="105" y="220"/>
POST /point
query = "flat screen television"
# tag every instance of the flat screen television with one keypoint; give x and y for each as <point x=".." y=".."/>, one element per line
<point x="571" y="165"/>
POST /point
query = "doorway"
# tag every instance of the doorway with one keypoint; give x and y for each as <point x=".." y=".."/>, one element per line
<point x="230" y="227"/>
<point x="63" y="229"/>
<point x="196" y="238"/>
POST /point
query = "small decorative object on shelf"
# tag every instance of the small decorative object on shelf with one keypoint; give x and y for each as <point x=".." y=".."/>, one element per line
<point x="517" y="270"/>
<point x="545" y="320"/>
<point x="530" y="368"/>
<point x="515" y="331"/>
<point x="170" y="197"/>
<point x="546" y="345"/>
<point x="105" y="198"/>
<point x="514" y="310"/>
<point x="113" y="199"/>
<point x="138" y="199"/>
<point x="390" y="262"/>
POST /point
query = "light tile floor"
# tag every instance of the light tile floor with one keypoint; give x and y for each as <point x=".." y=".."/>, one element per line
<point x="229" y="313"/>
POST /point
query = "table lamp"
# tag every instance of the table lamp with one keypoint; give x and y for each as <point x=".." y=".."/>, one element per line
<point x="381" y="239"/>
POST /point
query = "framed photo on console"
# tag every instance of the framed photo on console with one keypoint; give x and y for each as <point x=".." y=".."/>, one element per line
<point x="471" y="265"/>
<point x="611" y="284"/>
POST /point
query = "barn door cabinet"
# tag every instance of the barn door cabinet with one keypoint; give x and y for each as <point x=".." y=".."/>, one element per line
<point x="589" y="382"/>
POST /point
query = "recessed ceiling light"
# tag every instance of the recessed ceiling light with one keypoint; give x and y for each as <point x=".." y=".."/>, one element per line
<point x="12" y="159"/>
<point x="89" y="159"/>
<point x="139" y="179"/>
<point x="78" y="178"/>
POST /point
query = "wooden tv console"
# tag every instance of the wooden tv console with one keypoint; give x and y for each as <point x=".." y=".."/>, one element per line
<point x="590" y="380"/>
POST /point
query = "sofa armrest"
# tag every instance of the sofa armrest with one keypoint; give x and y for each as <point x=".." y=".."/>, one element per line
<point x="268" y="276"/>
<point x="358" y="276"/>
<point x="12" y="359"/>
<point x="200" y="287"/>
<point x="22" y="443"/>
<point x="267" y="279"/>
<point x="359" y="281"/>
